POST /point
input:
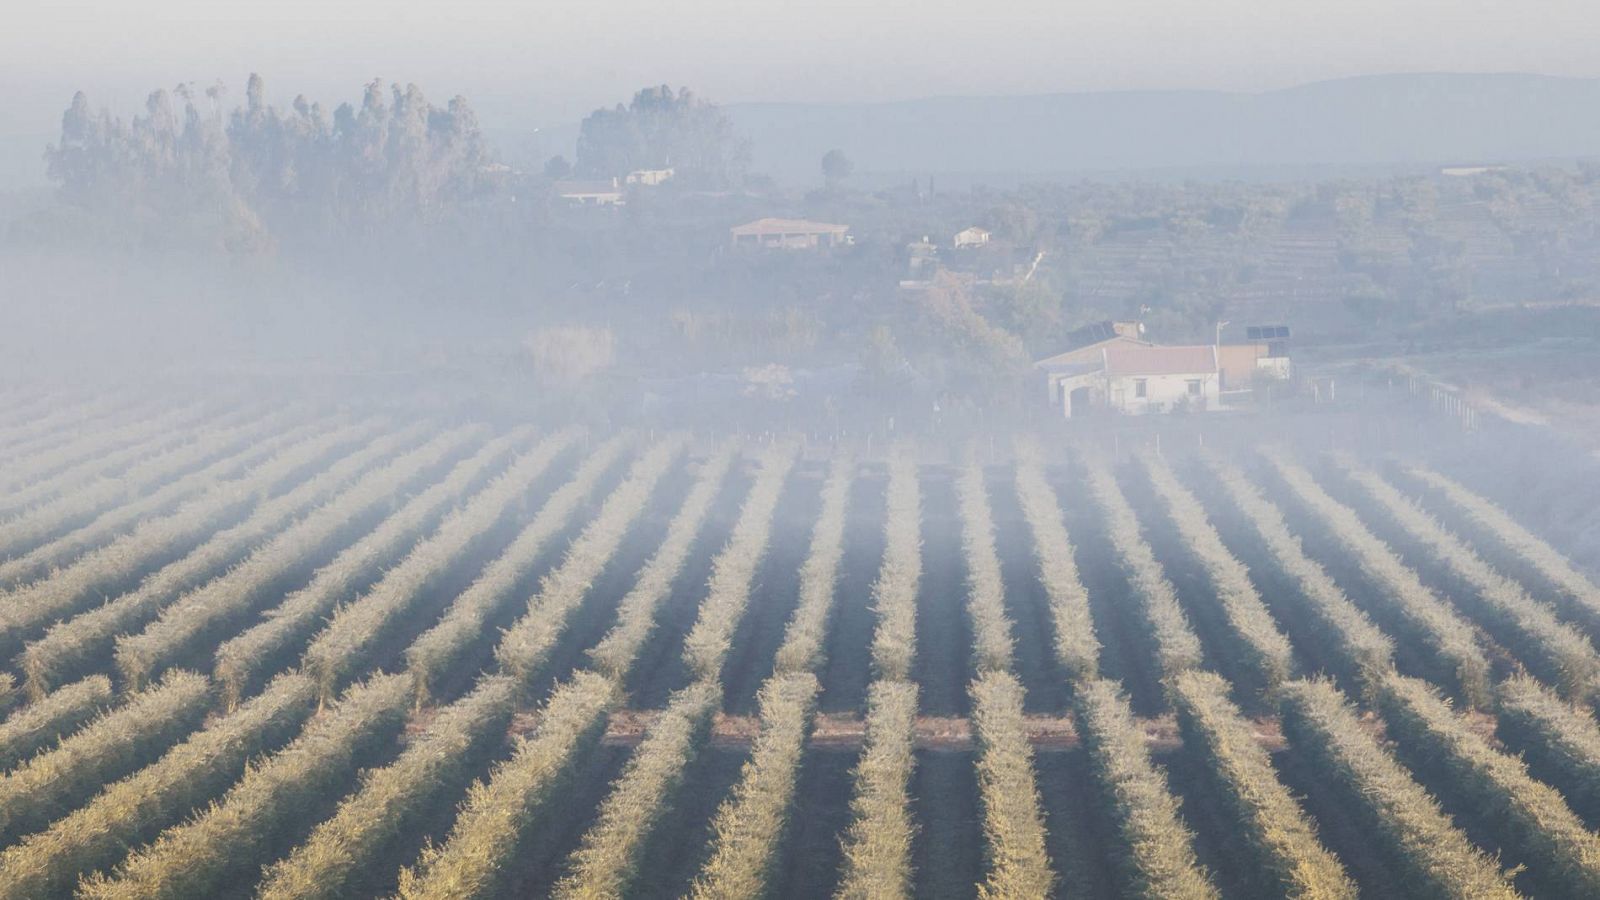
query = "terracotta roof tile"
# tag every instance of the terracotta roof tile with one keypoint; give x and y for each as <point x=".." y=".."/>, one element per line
<point x="1132" y="359"/>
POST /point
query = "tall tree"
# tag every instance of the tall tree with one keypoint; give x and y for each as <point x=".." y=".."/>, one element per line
<point x="836" y="167"/>
<point x="662" y="128"/>
<point x="396" y="158"/>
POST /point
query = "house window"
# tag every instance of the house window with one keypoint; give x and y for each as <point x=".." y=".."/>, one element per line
<point x="1194" y="387"/>
<point x="1138" y="387"/>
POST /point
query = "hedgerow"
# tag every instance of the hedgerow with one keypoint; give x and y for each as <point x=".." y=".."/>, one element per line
<point x="1265" y="648"/>
<point x="894" y="592"/>
<point x="52" y="783"/>
<point x="37" y="519"/>
<point x="169" y="591"/>
<point x="87" y="453"/>
<point x="242" y="661"/>
<point x="228" y="842"/>
<point x="1531" y="815"/>
<point x="28" y="609"/>
<point x="1579" y="591"/>
<point x="877" y="846"/>
<point x="369" y="823"/>
<point x="1565" y="738"/>
<point x="496" y="812"/>
<point x="807" y="629"/>
<point x="34" y="726"/>
<point x="1158" y="857"/>
<point x="1077" y="648"/>
<point x="342" y="646"/>
<point x="1368" y="651"/>
<point x="734" y="569"/>
<point x="986" y="588"/>
<point x="1297" y="865"/>
<point x="525" y="646"/>
<point x="1438" y="860"/>
<point x="1177" y="646"/>
<point x="1013" y="821"/>
<point x="134" y="810"/>
<point x="1437" y="623"/>
<point x="260" y="445"/>
<point x="748" y="825"/>
<point x="185" y="624"/>
<point x="1556" y="650"/>
<point x="606" y="862"/>
<point x="615" y="653"/>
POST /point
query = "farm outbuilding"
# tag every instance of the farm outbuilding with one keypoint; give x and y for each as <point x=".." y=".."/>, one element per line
<point x="1161" y="379"/>
<point x="1065" y="371"/>
<point x="1136" y="378"/>
<point x="601" y="192"/>
<point x="971" y="237"/>
<point x="790" y="234"/>
<point x="1110" y="366"/>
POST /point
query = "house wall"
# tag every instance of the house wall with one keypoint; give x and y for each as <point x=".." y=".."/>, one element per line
<point x="790" y="241"/>
<point x="1276" y="366"/>
<point x="1238" y="362"/>
<point x="649" y="177"/>
<point x="1162" y="392"/>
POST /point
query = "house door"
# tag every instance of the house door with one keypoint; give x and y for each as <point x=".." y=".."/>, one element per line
<point x="1080" y="402"/>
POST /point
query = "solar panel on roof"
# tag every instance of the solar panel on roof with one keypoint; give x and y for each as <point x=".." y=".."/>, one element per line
<point x="1091" y="334"/>
<point x="1266" y="332"/>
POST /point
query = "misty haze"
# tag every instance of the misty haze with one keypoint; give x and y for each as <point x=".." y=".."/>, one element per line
<point x="766" y="451"/>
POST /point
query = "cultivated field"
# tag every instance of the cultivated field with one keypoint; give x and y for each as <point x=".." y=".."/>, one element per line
<point x="286" y="652"/>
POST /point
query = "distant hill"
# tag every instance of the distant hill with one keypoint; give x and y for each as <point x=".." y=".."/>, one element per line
<point x="1371" y="123"/>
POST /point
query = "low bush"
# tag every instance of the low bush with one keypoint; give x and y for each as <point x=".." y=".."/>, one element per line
<point x="1437" y="859"/>
<point x="1277" y="829"/>
<point x="496" y="812"/>
<point x="1158" y="849"/>
<point x="1077" y="648"/>
<point x="35" y="726"/>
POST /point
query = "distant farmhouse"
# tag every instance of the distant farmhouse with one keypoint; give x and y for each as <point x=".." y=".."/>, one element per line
<point x="603" y="192"/>
<point x="971" y="237"/>
<point x="648" y="177"/>
<point x="1109" y="366"/>
<point x="922" y="262"/>
<point x="610" y="191"/>
<point x="790" y="234"/>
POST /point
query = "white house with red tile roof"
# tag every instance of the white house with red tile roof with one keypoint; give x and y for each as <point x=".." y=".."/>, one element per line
<point x="1115" y="369"/>
<point x="1161" y="379"/>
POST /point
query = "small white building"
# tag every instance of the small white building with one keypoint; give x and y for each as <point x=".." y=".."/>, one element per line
<point x="604" y="192"/>
<point x="922" y="260"/>
<point x="971" y="237"/>
<point x="1064" y="372"/>
<point x="648" y="177"/>
<point x="1161" y="379"/>
<point x="790" y="234"/>
<point x="1128" y="376"/>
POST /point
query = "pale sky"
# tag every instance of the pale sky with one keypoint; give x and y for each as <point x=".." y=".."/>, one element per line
<point x="548" y="62"/>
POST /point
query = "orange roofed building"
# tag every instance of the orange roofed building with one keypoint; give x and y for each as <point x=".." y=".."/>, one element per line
<point x="1112" y="367"/>
<point x="1141" y="380"/>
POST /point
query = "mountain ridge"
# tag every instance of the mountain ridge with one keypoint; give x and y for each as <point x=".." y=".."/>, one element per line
<point x="1388" y="121"/>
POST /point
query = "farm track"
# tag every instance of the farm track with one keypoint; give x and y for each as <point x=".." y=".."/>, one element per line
<point x="725" y="742"/>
